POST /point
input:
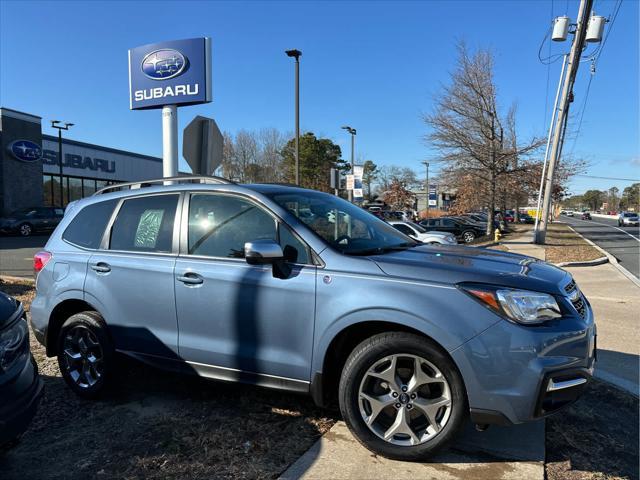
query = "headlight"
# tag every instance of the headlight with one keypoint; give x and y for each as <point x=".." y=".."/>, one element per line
<point x="13" y="344"/>
<point x="521" y="306"/>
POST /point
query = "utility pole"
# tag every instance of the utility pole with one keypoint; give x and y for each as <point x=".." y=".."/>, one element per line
<point x="297" y="54"/>
<point x="58" y="124"/>
<point x="426" y="186"/>
<point x="563" y="113"/>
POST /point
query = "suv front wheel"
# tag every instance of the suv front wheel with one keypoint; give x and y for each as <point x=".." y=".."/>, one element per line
<point x="85" y="353"/>
<point x="401" y="396"/>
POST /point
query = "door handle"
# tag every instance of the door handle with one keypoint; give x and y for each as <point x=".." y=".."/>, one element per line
<point x="190" y="278"/>
<point x="101" y="268"/>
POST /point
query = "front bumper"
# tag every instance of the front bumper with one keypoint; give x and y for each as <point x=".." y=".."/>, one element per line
<point x="20" y="399"/>
<point x="515" y="374"/>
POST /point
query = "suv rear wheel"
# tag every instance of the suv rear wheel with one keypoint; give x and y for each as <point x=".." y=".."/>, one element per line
<point x="85" y="353"/>
<point x="401" y="397"/>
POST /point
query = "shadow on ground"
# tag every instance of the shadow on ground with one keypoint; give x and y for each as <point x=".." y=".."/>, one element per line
<point x="159" y="425"/>
<point x="595" y="438"/>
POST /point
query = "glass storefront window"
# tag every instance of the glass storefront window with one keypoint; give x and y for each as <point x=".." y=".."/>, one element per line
<point x="88" y="187"/>
<point x="47" y="191"/>
<point x="75" y="189"/>
<point x="101" y="184"/>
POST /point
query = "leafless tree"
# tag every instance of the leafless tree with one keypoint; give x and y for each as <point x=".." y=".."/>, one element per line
<point x="467" y="127"/>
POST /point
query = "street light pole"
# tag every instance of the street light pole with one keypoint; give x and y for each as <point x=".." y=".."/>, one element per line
<point x="352" y="131"/>
<point x="426" y="187"/>
<point x="297" y="54"/>
<point x="57" y="124"/>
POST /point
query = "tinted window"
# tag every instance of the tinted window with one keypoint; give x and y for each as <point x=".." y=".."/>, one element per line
<point x="145" y="224"/>
<point x="220" y="225"/>
<point x="448" y="223"/>
<point x="294" y="250"/>
<point x="403" y="228"/>
<point x="87" y="227"/>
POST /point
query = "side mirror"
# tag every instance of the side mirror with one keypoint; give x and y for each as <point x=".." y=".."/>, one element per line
<point x="261" y="252"/>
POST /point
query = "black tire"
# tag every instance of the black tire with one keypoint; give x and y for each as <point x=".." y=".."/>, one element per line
<point x="376" y="348"/>
<point x="468" y="236"/>
<point x="25" y="230"/>
<point x="92" y="325"/>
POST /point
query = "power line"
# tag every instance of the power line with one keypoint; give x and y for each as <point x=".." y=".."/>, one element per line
<point x="609" y="178"/>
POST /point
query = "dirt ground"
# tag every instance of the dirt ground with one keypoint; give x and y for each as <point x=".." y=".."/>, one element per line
<point x="158" y="425"/>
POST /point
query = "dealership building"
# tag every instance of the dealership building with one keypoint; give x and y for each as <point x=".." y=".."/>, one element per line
<point x="30" y="167"/>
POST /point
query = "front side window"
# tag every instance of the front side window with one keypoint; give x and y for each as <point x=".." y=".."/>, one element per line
<point x="403" y="228"/>
<point x="344" y="226"/>
<point x="220" y="225"/>
<point x="145" y="224"/>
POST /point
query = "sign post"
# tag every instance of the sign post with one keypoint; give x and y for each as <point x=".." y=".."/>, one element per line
<point x="167" y="75"/>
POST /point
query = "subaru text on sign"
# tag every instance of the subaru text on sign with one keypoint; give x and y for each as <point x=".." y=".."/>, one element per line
<point x="177" y="72"/>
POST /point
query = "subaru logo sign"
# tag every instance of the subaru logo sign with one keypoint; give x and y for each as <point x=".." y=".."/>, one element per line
<point x="164" y="64"/>
<point x="25" y="150"/>
<point x="176" y="72"/>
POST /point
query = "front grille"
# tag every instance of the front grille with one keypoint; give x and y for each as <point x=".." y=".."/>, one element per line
<point x="570" y="287"/>
<point x="580" y="305"/>
<point x="576" y="298"/>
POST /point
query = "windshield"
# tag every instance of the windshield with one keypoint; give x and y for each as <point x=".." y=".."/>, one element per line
<point x="24" y="212"/>
<point x="344" y="226"/>
<point x="419" y="228"/>
<point x="630" y="215"/>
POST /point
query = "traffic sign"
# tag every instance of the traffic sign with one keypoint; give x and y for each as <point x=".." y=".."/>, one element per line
<point x="202" y="144"/>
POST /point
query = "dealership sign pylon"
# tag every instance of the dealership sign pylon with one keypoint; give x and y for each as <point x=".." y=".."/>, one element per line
<point x="167" y="75"/>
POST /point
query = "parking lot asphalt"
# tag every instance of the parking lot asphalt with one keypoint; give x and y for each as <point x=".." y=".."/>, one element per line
<point x="621" y="242"/>
<point x="16" y="254"/>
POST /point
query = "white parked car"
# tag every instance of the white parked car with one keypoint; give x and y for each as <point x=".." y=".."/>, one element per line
<point x="416" y="231"/>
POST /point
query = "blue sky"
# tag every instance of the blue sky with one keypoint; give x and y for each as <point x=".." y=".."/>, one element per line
<point x="373" y="65"/>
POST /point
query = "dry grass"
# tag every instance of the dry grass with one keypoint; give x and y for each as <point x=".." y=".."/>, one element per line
<point x="160" y="425"/>
<point x="564" y="245"/>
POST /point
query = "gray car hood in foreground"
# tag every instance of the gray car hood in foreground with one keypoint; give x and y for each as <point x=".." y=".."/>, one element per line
<point x="455" y="264"/>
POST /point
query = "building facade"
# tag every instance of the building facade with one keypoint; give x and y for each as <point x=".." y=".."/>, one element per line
<point x="30" y="167"/>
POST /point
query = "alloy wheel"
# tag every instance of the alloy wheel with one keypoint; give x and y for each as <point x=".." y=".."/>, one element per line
<point x="83" y="356"/>
<point x="404" y="399"/>
<point x="468" y="237"/>
<point x="25" y="230"/>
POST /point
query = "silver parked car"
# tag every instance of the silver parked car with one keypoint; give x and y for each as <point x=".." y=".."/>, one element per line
<point x="628" y="219"/>
<point x="231" y="282"/>
<point x="414" y="230"/>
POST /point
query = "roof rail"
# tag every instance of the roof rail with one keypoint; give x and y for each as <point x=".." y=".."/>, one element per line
<point x="161" y="181"/>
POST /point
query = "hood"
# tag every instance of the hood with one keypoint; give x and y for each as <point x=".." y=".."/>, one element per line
<point x="455" y="264"/>
<point x="8" y="307"/>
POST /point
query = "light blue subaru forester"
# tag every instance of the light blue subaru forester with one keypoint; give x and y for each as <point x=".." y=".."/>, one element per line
<point x="300" y="290"/>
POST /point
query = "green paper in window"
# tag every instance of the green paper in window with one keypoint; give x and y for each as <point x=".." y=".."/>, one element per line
<point x="148" y="228"/>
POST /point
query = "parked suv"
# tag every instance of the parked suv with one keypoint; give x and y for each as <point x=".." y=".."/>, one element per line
<point x="31" y="220"/>
<point x="467" y="232"/>
<point x="227" y="281"/>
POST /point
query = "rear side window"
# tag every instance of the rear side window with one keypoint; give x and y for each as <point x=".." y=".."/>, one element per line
<point x="87" y="227"/>
<point x="145" y="224"/>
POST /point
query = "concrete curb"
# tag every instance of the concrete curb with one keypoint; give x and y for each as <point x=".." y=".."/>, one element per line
<point x="613" y="260"/>
<point x="588" y="263"/>
<point x="9" y="278"/>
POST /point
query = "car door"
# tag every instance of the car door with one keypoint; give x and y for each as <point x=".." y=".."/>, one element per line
<point x="237" y="321"/>
<point x="130" y="279"/>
